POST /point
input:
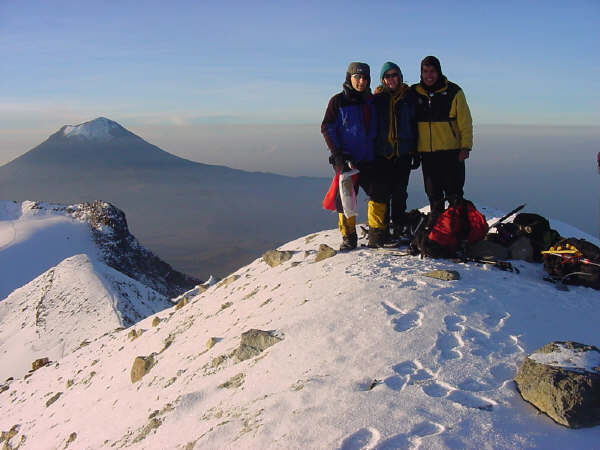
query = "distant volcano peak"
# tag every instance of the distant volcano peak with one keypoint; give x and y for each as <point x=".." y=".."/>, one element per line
<point x="101" y="129"/>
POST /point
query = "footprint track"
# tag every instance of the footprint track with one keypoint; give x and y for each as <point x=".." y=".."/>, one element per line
<point x="363" y="439"/>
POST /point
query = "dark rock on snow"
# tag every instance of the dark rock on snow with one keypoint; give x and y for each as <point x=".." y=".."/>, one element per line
<point x="569" y="395"/>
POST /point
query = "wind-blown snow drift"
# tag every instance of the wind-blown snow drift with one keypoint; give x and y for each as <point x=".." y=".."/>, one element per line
<point x="373" y="355"/>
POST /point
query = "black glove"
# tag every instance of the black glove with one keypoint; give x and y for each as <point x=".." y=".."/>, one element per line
<point x="415" y="161"/>
<point x="338" y="162"/>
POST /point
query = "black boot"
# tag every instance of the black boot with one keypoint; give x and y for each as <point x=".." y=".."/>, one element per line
<point x="349" y="242"/>
<point x="377" y="237"/>
<point x="400" y="225"/>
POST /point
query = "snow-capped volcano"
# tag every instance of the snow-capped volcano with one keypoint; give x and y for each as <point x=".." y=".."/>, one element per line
<point x="101" y="129"/>
<point x="366" y="352"/>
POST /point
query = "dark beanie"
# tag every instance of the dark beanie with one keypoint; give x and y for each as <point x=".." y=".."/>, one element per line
<point x="389" y="66"/>
<point x="358" y="67"/>
<point x="432" y="61"/>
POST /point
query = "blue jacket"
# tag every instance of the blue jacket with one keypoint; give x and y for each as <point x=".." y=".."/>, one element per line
<point x="350" y="125"/>
<point x="397" y="133"/>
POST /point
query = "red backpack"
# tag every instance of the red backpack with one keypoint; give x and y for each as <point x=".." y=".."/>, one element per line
<point x="456" y="224"/>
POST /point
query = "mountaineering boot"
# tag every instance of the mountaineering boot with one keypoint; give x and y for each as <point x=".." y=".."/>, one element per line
<point x="376" y="237"/>
<point x="349" y="242"/>
<point x="399" y="225"/>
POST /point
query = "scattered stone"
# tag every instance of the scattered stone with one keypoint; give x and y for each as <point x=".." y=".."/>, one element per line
<point x="134" y="334"/>
<point x="39" y="363"/>
<point x="521" y="249"/>
<point x="266" y="302"/>
<point x="233" y="382"/>
<point x="211" y="342"/>
<point x="181" y="303"/>
<point x="8" y="435"/>
<point x="562" y="379"/>
<point x="84" y="343"/>
<point x="141" y="366"/>
<point x="487" y="249"/>
<point x="276" y="257"/>
<point x="216" y="362"/>
<point x="190" y="445"/>
<point x="445" y="275"/>
<point x="251" y="294"/>
<point x="3" y="388"/>
<point x="9" y="379"/>
<point x="253" y="342"/>
<point x="310" y="238"/>
<point x="227" y="281"/>
<point x="226" y="305"/>
<point x="71" y="439"/>
<point x="70" y="383"/>
<point x="156" y="321"/>
<point x="153" y="424"/>
<point x="53" y="398"/>
<point x="325" y="251"/>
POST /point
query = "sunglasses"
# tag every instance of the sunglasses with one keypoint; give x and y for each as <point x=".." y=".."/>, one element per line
<point x="387" y="76"/>
<point x="358" y="76"/>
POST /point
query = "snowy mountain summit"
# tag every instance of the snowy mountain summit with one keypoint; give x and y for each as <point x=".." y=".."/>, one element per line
<point x="70" y="274"/>
<point x="101" y="129"/>
<point x="361" y="350"/>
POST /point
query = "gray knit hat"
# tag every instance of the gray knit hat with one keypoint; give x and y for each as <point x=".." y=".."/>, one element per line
<point x="358" y="67"/>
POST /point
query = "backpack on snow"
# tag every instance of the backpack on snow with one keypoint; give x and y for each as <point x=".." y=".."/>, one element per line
<point x="534" y="227"/>
<point x="456" y="226"/>
<point x="574" y="261"/>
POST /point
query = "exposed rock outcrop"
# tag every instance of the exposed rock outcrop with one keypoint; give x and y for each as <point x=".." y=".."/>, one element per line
<point x="325" y="251"/>
<point x="253" y="343"/>
<point x="562" y="379"/>
<point x="275" y="258"/>
<point x="141" y="366"/>
<point x="121" y="251"/>
<point x="444" y="275"/>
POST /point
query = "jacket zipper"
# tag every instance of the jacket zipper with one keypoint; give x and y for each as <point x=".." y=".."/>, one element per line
<point x="430" y="134"/>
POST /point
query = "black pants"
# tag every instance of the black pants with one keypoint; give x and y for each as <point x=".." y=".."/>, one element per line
<point x="398" y="176"/>
<point x="443" y="175"/>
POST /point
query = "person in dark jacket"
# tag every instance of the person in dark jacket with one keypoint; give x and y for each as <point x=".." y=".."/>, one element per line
<point x="396" y="139"/>
<point x="445" y="138"/>
<point x="350" y="128"/>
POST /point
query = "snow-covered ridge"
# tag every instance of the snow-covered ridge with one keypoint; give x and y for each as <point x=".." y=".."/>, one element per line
<point x="373" y="355"/>
<point x="35" y="236"/>
<point x="98" y="129"/>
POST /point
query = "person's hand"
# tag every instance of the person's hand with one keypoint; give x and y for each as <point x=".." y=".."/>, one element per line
<point x="415" y="161"/>
<point x="338" y="163"/>
<point x="463" y="154"/>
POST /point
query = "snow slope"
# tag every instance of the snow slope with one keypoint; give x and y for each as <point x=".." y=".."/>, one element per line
<point x="56" y="287"/>
<point x="77" y="300"/>
<point x="373" y="355"/>
<point x="34" y="238"/>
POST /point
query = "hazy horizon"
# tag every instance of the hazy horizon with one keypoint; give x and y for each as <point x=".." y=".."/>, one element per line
<point x="551" y="168"/>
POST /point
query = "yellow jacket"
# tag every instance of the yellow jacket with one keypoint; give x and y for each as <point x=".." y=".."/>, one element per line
<point x="443" y="118"/>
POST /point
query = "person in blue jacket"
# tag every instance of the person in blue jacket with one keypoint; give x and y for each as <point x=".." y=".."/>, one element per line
<point x="396" y="139"/>
<point x="350" y="129"/>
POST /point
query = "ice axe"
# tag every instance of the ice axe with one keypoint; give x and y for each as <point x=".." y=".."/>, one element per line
<point x="506" y="216"/>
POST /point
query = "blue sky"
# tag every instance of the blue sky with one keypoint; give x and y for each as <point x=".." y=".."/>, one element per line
<point x="185" y="63"/>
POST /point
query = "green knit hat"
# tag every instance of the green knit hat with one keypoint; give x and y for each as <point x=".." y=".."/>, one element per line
<point x="389" y="66"/>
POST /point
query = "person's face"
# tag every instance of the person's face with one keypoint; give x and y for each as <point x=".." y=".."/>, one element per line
<point x="429" y="75"/>
<point x="359" y="82"/>
<point x="391" y="79"/>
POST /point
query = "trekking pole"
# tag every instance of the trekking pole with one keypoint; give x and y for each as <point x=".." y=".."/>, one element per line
<point x="506" y="216"/>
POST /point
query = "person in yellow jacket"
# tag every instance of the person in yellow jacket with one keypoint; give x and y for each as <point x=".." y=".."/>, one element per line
<point x="445" y="136"/>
